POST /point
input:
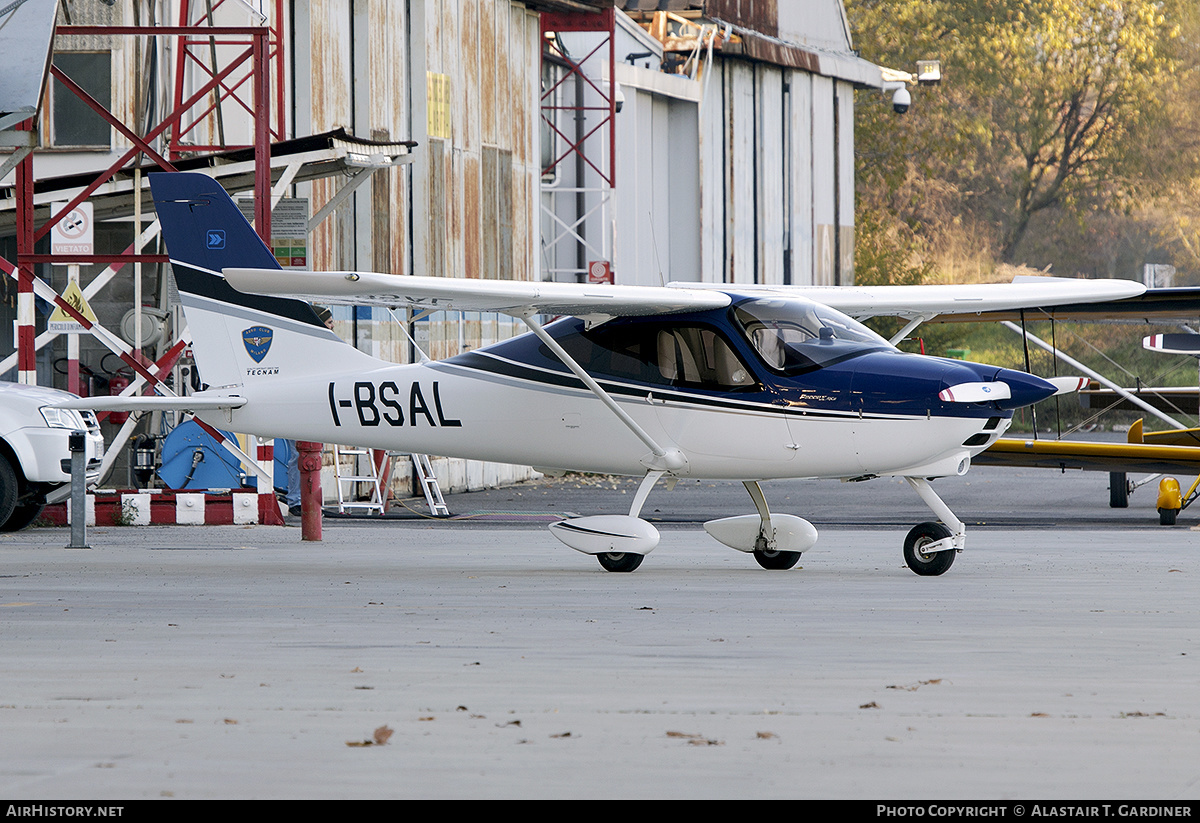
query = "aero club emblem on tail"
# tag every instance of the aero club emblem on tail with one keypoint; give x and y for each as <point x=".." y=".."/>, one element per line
<point x="258" y="342"/>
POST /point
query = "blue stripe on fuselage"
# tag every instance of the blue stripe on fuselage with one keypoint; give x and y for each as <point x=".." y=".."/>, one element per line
<point x="882" y="382"/>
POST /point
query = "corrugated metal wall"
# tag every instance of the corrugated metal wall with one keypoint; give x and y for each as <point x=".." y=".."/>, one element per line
<point x="778" y="176"/>
<point x="476" y="173"/>
<point x="460" y="78"/>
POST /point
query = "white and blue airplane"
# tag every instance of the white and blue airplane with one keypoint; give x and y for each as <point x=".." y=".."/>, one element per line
<point x="729" y="382"/>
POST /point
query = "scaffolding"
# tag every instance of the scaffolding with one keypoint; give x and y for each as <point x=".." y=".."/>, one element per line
<point x="578" y="113"/>
<point x="230" y="65"/>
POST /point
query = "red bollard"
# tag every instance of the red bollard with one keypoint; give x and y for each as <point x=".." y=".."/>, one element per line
<point x="311" y="499"/>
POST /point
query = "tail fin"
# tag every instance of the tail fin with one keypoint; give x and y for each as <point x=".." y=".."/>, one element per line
<point x="237" y="338"/>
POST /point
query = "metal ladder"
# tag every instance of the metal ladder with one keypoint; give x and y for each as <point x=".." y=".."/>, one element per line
<point x="380" y="482"/>
<point x="376" y="502"/>
<point x="429" y="485"/>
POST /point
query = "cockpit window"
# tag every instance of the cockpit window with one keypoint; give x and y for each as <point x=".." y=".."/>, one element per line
<point x="665" y="354"/>
<point x="794" y="336"/>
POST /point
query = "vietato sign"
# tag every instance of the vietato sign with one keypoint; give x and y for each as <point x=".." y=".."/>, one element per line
<point x="73" y="234"/>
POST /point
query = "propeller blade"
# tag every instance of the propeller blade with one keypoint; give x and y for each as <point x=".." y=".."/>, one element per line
<point x="1173" y="343"/>
<point x="1067" y="385"/>
<point x="975" y="393"/>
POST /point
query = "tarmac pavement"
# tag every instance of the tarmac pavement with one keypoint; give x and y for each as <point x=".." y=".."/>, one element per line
<point x="1053" y="661"/>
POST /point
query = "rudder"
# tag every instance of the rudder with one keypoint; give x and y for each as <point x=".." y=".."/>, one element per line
<point x="236" y="337"/>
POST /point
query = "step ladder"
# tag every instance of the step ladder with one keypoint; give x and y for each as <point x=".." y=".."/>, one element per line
<point x="380" y="481"/>
<point x="346" y="493"/>
<point x="429" y="485"/>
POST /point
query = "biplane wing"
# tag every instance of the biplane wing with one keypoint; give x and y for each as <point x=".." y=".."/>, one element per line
<point x="1091" y="456"/>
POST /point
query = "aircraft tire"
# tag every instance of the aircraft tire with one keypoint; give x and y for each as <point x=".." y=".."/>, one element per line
<point x="777" y="561"/>
<point x="8" y="491"/>
<point x="620" y="561"/>
<point x="1118" y="491"/>
<point x="923" y="534"/>
<point x="1166" y="517"/>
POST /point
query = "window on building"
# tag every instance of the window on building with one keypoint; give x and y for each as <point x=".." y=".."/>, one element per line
<point x="73" y="123"/>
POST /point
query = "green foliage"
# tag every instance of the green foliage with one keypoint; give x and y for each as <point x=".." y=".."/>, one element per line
<point x="1046" y="104"/>
<point x="887" y="253"/>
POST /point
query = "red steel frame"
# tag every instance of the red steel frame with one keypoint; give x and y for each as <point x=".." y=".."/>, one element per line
<point x="604" y="22"/>
<point x="195" y="46"/>
<point x="257" y="51"/>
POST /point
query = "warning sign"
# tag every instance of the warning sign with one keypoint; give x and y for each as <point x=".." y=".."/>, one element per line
<point x="73" y="234"/>
<point x="599" y="271"/>
<point x="289" y="230"/>
<point x="64" y="323"/>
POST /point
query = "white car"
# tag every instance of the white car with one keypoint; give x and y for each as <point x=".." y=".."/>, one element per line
<point x="33" y="444"/>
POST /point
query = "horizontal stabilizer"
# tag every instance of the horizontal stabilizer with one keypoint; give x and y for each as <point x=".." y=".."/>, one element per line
<point x="187" y="404"/>
<point x="975" y="393"/>
<point x="1173" y="343"/>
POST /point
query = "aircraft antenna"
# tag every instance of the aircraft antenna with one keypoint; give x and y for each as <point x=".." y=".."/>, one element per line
<point x="654" y="239"/>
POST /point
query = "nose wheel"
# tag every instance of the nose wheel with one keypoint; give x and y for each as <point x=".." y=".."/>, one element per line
<point x="946" y="538"/>
<point x="922" y="536"/>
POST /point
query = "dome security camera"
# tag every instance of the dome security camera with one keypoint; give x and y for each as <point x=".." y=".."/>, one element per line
<point x="901" y="100"/>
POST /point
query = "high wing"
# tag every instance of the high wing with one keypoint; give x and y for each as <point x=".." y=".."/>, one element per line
<point x="968" y="299"/>
<point x="604" y="301"/>
<point x="514" y="297"/>
<point x="1151" y="306"/>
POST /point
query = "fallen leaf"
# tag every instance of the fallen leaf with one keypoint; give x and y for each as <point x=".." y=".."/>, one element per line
<point x="917" y="685"/>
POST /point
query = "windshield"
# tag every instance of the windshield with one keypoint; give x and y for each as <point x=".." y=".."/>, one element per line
<point x="795" y="335"/>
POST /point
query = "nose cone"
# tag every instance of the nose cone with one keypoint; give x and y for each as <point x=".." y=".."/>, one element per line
<point x="1026" y="389"/>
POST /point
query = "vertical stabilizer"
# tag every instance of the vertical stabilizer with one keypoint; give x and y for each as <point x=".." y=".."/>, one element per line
<point x="238" y="339"/>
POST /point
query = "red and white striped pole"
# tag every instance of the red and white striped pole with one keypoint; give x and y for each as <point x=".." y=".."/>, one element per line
<point x="26" y="346"/>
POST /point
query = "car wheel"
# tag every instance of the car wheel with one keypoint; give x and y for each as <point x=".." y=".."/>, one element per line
<point x="8" y="491"/>
<point x="22" y="516"/>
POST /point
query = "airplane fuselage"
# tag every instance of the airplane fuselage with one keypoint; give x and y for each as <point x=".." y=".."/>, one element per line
<point x="872" y="413"/>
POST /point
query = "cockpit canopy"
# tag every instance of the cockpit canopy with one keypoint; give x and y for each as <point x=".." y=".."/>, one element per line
<point x="712" y="351"/>
<point x="794" y="336"/>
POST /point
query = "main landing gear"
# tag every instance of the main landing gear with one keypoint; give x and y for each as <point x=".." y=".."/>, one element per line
<point x="620" y="561"/>
<point x="775" y="540"/>
<point x="620" y="542"/>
